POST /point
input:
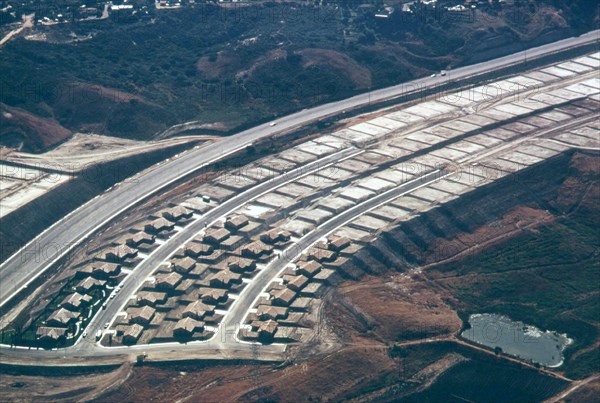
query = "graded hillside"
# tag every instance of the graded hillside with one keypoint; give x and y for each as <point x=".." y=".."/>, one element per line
<point x="27" y="132"/>
<point x="228" y="68"/>
<point x="526" y="248"/>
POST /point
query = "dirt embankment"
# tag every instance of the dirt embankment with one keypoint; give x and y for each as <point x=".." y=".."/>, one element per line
<point x="22" y="225"/>
<point x="60" y="385"/>
<point x="21" y="129"/>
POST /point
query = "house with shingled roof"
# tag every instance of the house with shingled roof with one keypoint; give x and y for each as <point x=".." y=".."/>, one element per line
<point x="187" y="326"/>
<point x="142" y="316"/>
<point x="62" y="318"/>
<point x="50" y="334"/>
<point x="197" y="310"/>
<point x="75" y="301"/>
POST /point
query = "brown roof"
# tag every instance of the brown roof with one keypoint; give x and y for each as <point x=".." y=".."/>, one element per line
<point x="177" y="213"/>
<point x="269" y="327"/>
<point x="197" y="310"/>
<point x="139" y="238"/>
<point x="213" y="294"/>
<point x="141" y="315"/>
<point x="321" y="255"/>
<point x="150" y="297"/>
<point x="241" y="264"/>
<point x="283" y="296"/>
<point x="309" y="268"/>
<point x="225" y="277"/>
<point x="184" y="265"/>
<point x="119" y="252"/>
<point x="338" y="243"/>
<point x="188" y="325"/>
<point x="133" y="331"/>
<point x="271" y="312"/>
<point x="275" y="235"/>
<point x="88" y="284"/>
<point x="236" y="222"/>
<point x="215" y="235"/>
<point x="62" y="317"/>
<point x="256" y="248"/>
<point x="106" y="269"/>
<point x="74" y="301"/>
<point x="194" y="249"/>
<point x="52" y="333"/>
<point x="168" y="280"/>
<point x="298" y="282"/>
<point x="158" y="225"/>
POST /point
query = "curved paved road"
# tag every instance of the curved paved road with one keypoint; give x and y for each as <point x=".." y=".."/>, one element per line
<point x="224" y="343"/>
<point x="37" y="256"/>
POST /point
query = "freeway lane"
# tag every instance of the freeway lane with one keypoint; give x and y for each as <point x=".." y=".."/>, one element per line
<point x="25" y="265"/>
<point x="166" y="250"/>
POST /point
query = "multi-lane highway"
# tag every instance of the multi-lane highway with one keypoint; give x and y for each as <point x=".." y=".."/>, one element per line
<point x="37" y="256"/>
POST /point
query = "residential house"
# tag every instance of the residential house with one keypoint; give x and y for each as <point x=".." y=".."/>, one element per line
<point x="309" y="268"/>
<point x="296" y="283"/>
<point x="132" y="333"/>
<point x="225" y="279"/>
<point x="76" y="301"/>
<point x="256" y="249"/>
<point x="197" y="310"/>
<point x="283" y="297"/>
<point x="241" y="265"/>
<point x="104" y="270"/>
<point x="184" y="265"/>
<point x="89" y="284"/>
<point x="275" y="235"/>
<point x="187" y="326"/>
<point x="142" y="316"/>
<point x="195" y="249"/>
<point x="213" y="296"/>
<point x="266" y="331"/>
<point x="140" y="240"/>
<point x="177" y="214"/>
<point x="265" y="312"/>
<point x="168" y="281"/>
<point x="118" y="254"/>
<point x="236" y="222"/>
<point x="215" y="236"/>
<point x="62" y="317"/>
<point x="158" y="226"/>
<point x="50" y="334"/>
<point x="151" y="298"/>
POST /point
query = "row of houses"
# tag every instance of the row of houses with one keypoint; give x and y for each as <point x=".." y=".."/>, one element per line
<point x="278" y="317"/>
<point x="105" y="268"/>
<point x="183" y="297"/>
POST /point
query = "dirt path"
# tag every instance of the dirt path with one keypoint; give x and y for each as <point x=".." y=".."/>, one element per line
<point x="83" y="150"/>
<point x="454" y="339"/>
<point x="574" y="386"/>
<point x="27" y="23"/>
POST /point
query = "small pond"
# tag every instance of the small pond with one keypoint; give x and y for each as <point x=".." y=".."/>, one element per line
<point x="517" y="339"/>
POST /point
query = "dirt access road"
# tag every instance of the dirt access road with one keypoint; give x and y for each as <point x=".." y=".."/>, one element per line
<point x="27" y="23"/>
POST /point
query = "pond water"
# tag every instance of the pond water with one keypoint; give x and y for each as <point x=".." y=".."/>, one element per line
<point x="517" y="339"/>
